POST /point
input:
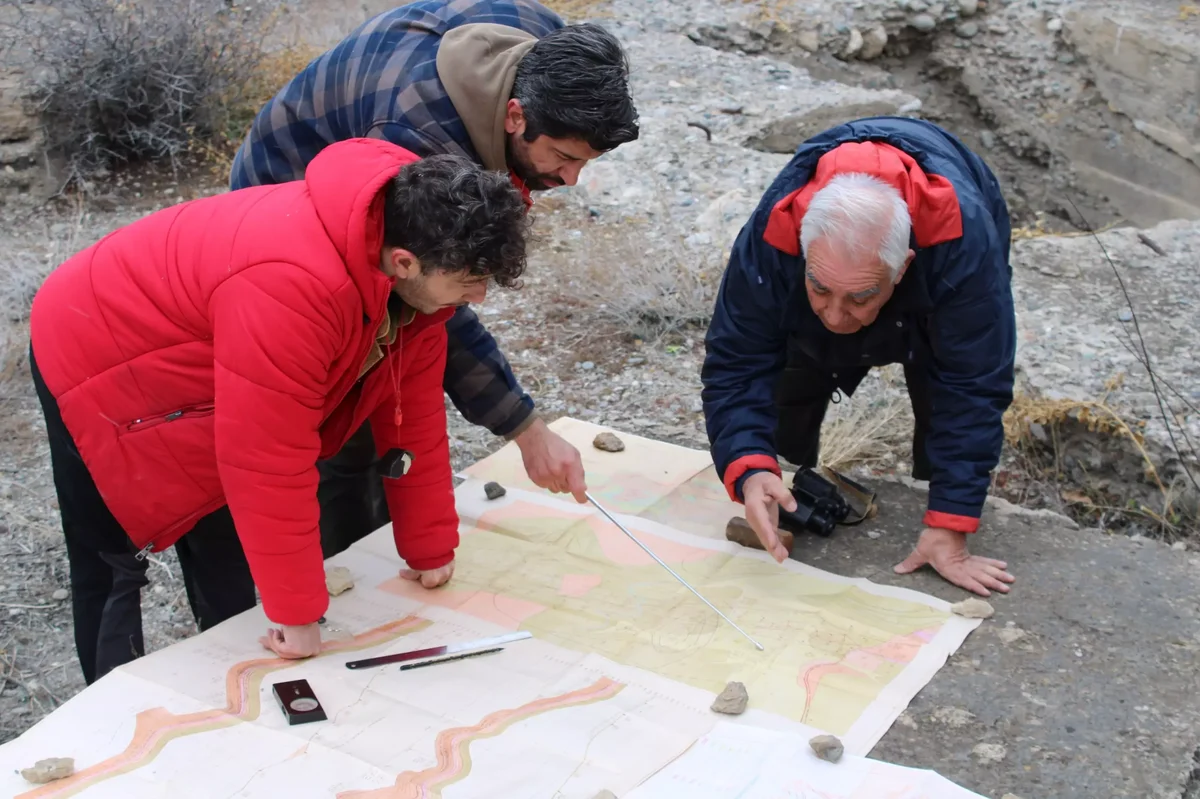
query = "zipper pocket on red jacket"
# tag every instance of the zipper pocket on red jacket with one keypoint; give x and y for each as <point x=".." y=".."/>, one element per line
<point x="162" y="418"/>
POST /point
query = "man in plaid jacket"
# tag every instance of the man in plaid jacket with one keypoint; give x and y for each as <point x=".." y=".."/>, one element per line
<point x="503" y="82"/>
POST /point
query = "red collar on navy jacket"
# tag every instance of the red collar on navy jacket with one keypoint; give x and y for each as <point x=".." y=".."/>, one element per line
<point x="932" y="201"/>
<point x="520" y="184"/>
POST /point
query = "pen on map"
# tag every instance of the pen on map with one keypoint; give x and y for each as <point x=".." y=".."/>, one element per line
<point x="672" y="571"/>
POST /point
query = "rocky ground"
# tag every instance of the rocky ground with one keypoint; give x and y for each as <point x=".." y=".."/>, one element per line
<point x="609" y="325"/>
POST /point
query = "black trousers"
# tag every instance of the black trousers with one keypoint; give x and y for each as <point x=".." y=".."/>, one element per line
<point x="802" y="397"/>
<point x="350" y="493"/>
<point x="106" y="576"/>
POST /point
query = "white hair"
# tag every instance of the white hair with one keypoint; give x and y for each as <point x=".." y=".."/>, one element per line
<point x="853" y="209"/>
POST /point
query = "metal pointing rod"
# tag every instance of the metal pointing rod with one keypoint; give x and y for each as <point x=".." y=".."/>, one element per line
<point x="669" y="569"/>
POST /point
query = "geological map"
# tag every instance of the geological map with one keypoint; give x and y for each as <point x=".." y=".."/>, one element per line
<point x="613" y="691"/>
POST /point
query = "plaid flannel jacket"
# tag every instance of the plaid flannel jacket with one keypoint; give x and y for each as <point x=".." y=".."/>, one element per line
<point x="381" y="81"/>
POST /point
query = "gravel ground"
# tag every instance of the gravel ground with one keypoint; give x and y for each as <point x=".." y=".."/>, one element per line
<point x="609" y="324"/>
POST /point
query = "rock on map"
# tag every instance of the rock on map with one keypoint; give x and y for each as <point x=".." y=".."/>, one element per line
<point x="612" y="692"/>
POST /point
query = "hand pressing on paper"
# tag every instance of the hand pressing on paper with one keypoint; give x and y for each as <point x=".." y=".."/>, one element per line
<point x="293" y="641"/>
<point x="762" y="494"/>
<point x="431" y="578"/>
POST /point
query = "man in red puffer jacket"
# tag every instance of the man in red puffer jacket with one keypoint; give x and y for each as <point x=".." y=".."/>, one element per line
<point x="194" y="366"/>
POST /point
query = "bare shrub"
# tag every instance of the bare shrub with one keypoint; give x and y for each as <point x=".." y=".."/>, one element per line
<point x="120" y="81"/>
<point x="273" y="72"/>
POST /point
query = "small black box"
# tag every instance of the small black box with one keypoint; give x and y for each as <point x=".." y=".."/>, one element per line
<point x="298" y="702"/>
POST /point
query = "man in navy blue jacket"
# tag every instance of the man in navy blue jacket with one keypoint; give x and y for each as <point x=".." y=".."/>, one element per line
<point x="884" y="240"/>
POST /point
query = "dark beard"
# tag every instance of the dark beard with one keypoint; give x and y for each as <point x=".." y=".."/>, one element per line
<point x="533" y="180"/>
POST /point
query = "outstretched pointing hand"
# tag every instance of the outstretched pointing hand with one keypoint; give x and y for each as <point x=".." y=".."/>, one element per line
<point x="763" y="493"/>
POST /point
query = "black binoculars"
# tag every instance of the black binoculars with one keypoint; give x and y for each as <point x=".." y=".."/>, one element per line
<point x="820" y="507"/>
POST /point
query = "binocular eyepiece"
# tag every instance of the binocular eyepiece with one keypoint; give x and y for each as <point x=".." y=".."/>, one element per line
<point x="820" y="507"/>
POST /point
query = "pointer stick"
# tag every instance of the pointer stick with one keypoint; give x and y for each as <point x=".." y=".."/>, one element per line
<point x="669" y="569"/>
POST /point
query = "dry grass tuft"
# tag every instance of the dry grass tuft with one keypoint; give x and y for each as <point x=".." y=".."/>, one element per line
<point x="116" y="82"/>
<point x="1039" y="229"/>
<point x="576" y="10"/>
<point x="873" y="431"/>
<point x="640" y="280"/>
<point x="1108" y="476"/>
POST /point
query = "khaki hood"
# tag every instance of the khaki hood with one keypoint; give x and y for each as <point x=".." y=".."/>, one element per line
<point x="477" y="64"/>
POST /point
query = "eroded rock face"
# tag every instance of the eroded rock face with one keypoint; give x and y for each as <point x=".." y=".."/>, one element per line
<point x="1147" y="70"/>
<point x="20" y="139"/>
<point x="1050" y="91"/>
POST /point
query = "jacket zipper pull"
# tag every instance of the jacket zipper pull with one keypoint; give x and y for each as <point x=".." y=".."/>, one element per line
<point x="143" y="553"/>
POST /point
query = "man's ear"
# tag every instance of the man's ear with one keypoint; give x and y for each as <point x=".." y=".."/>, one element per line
<point x="514" y="117"/>
<point x="399" y="263"/>
<point x="904" y="268"/>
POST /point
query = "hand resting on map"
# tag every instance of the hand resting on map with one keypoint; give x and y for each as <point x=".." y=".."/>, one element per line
<point x="304" y="640"/>
<point x="293" y="641"/>
<point x="431" y="578"/>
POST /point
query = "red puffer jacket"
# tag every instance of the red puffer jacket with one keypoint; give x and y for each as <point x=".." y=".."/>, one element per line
<point x="208" y="355"/>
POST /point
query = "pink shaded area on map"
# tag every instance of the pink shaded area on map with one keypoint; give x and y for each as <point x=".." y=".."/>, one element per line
<point x="507" y="612"/>
<point x="629" y="492"/>
<point x="615" y="545"/>
<point x="577" y="585"/>
<point x="901" y="649"/>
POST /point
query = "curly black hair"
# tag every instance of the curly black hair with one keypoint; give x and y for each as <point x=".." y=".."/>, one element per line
<point x="574" y="84"/>
<point x="456" y="216"/>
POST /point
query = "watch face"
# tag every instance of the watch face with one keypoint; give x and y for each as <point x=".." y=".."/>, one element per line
<point x="303" y="704"/>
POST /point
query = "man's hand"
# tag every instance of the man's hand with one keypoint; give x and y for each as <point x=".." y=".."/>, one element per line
<point x="293" y="643"/>
<point x="762" y="494"/>
<point x="551" y="462"/>
<point x="432" y="578"/>
<point x="946" y="551"/>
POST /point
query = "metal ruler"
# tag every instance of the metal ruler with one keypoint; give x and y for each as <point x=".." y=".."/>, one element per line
<point x="437" y="651"/>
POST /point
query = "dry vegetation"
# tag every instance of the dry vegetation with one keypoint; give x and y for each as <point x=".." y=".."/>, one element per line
<point x="160" y="82"/>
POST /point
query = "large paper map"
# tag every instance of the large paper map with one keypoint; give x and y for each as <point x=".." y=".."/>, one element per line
<point x="612" y="692"/>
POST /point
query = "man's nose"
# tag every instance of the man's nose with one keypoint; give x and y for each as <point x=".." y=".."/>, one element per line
<point x="834" y="314"/>
<point x="477" y="294"/>
<point x="569" y="174"/>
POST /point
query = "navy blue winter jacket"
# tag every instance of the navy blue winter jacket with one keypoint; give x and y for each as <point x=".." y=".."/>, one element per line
<point x="952" y="312"/>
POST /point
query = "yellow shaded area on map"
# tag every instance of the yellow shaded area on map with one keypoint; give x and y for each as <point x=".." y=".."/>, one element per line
<point x="565" y="573"/>
<point x="829" y="649"/>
